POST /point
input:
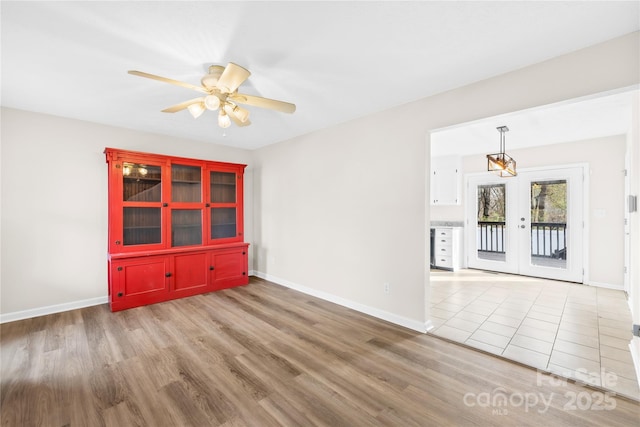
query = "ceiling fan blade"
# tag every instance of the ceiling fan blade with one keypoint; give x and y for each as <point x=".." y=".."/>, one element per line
<point x="258" y="101"/>
<point x="236" y="114"/>
<point x="232" y="77"/>
<point x="182" y="105"/>
<point x="166" y="80"/>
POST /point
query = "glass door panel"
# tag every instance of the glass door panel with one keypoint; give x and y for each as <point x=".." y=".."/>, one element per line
<point x="548" y="223"/>
<point x="490" y="239"/>
<point x="186" y="227"/>
<point x="186" y="184"/>
<point x="141" y="226"/>
<point x="223" y="187"/>
<point x="490" y="231"/>
<point x="141" y="183"/>
<point x="223" y="223"/>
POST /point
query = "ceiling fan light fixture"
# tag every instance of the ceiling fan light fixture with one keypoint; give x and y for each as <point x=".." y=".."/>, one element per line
<point x="241" y="114"/>
<point x="223" y="119"/>
<point x="212" y="102"/>
<point x="219" y="91"/>
<point x="196" y="109"/>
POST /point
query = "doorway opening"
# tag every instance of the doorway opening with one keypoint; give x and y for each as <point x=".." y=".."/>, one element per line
<point x="551" y="324"/>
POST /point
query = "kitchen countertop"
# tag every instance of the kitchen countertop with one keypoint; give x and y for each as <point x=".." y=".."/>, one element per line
<point x="447" y="223"/>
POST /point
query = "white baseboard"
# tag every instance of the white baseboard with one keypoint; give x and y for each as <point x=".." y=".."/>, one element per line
<point x="41" y="311"/>
<point x="429" y="325"/>
<point x="605" y="285"/>
<point x="371" y="311"/>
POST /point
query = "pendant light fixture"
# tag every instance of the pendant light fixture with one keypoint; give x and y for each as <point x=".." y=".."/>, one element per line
<point x="501" y="163"/>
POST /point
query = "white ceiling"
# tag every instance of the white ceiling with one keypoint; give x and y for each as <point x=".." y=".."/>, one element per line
<point x="335" y="60"/>
<point x="574" y="120"/>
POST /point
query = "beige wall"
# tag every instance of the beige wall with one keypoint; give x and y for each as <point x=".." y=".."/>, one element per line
<point x="54" y="205"/>
<point x="605" y="208"/>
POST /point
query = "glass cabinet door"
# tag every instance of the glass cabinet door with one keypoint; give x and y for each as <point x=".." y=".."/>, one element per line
<point x="141" y="196"/>
<point x="141" y="183"/>
<point x="141" y="226"/>
<point x="186" y="205"/>
<point x="223" y="223"/>
<point x="223" y="187"/>
<point x="186" y="227"/>
<point x="186" y="184"/>
<point x="224" y="209"/>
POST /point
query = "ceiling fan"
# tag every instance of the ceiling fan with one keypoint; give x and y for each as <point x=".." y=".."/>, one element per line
<point x="220" y="92"/>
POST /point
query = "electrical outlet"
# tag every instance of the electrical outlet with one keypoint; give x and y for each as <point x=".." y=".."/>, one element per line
<point x="387" y="288"/>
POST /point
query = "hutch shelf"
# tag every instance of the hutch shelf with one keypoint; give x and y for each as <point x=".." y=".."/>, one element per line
<point x="175" y="227"/>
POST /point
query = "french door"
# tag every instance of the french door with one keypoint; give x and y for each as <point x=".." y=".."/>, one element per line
<point x="531" y="224"/>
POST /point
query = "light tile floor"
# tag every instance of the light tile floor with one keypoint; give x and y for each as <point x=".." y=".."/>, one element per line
<point x="576" y="331"/>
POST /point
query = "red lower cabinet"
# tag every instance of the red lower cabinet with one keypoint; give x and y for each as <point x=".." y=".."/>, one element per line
<point x="142" y="280"/>
<point x="230" y="268"/>
<point x="138" y="281"/>
<point x="190" y="274"/>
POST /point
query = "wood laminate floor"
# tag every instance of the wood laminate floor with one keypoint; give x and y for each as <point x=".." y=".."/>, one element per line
<point x="264" y="355"/>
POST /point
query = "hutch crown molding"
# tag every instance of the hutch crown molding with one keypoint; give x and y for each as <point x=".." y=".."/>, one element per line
<point x="176" y="227"/>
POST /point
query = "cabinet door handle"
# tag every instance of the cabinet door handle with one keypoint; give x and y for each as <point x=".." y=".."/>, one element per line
<point x="119" y="294"/>
<point x="211" y="267"/>
<point x="117" y="242"/>
<point x="164" y="205"/>
<point x="167" y="274"/>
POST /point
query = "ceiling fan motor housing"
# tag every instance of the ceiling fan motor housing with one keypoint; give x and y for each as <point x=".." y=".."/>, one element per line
<point x="210" y="80"/>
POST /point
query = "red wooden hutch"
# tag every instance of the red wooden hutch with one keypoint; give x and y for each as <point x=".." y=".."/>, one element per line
<point x="175" y="227"/>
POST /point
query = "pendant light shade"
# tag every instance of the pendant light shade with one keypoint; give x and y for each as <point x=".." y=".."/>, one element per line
<point x="196" y="110"/>
<point x="223" y="119"/>
<point x="212" y="102"/>
<point x="241" y="114"/>
<point x="501" y="163"/>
